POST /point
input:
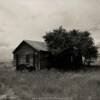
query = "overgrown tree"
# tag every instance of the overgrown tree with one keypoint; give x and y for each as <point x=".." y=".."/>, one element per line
<point x="85" y="43"/>
<point x="59" y="40"/>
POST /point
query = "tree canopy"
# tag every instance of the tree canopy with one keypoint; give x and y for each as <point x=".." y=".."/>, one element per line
<point x="60" y="39"/>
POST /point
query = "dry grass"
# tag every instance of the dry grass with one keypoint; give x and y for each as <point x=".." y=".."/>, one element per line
<point x="48" y="85"/>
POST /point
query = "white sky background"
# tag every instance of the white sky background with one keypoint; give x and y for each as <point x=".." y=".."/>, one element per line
<point x="31" y="19"/>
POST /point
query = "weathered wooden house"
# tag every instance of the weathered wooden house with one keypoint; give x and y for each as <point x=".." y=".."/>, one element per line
<point x="32" y="54"/>
<point x="35" y="55"/>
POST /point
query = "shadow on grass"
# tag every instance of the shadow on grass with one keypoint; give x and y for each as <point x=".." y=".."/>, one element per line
<point x="91" y="67"/>
<point x="74" y="68"/>
<point x="83" y="68"/>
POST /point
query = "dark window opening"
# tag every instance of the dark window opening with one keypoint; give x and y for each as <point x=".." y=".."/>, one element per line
<point x="27" y="58"/>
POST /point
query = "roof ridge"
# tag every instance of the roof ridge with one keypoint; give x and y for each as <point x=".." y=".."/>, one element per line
<point x="38" y="45"/>
<point x="34" y="41"/>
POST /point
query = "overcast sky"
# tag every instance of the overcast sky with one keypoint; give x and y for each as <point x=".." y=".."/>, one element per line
<point x="30" y="19"/>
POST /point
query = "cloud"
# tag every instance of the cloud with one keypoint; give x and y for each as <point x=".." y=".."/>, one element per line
<point x="31" y="19"/>
<point x="4" y="44"/>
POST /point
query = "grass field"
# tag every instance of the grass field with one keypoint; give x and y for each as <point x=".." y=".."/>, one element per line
<point x="48" y="85"/>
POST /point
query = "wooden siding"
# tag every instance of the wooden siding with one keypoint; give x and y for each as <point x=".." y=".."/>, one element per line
<point x="22" y="60"/>
<point x="30" y="57"/>
<point x="24" y="49"/>
<point x="21" y="54"/>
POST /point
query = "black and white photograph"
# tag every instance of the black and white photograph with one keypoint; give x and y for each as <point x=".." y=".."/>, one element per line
<point x="49" y="49"/>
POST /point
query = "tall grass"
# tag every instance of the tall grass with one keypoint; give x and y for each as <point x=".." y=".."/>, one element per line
<point x="49" y="84"/>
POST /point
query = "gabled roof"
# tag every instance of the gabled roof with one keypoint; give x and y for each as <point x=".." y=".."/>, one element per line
<point x="37" y="45"/>
<point x="40" y="46"/>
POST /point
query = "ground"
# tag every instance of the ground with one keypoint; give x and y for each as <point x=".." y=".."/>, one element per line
<point x="48" y="85"/>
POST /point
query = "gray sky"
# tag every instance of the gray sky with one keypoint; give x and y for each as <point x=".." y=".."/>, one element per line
<point x="30" y="19"/>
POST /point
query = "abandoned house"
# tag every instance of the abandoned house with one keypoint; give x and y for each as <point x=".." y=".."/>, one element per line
<point x="35" y="55"/>
<point x="31" y="54"/>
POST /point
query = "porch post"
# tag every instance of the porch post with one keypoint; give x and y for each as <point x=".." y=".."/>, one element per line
<point x="34" y="60"/>
<point x="39" y="61"/>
